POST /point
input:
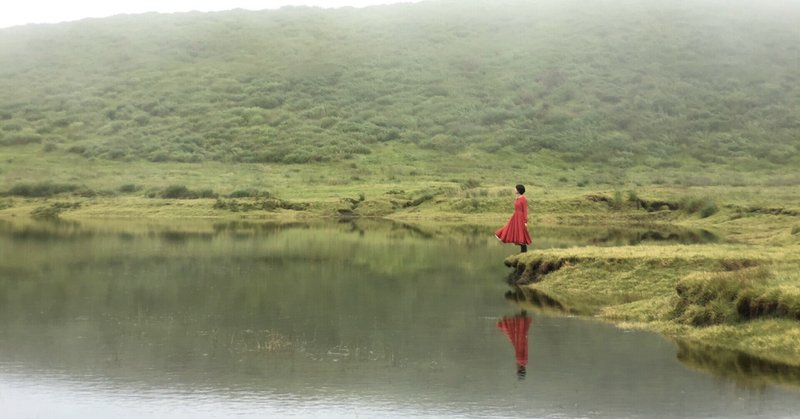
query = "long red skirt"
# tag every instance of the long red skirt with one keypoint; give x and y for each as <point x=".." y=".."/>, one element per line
<point x="515" y="230"/>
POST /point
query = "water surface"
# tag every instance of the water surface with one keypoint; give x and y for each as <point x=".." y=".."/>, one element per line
<point x="329" y="319"/>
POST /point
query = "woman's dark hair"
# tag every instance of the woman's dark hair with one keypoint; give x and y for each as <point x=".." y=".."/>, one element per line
<point x="520" y="189"/>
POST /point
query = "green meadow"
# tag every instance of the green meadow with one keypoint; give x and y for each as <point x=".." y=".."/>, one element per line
<point x="612" y="113"/>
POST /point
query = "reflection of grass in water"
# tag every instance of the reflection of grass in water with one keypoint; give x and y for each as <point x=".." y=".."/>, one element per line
<point x="746" y="370"/>
<point x="533" y="300"/>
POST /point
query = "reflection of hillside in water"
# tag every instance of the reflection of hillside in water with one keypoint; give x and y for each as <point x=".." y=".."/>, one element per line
<point x="235" y="305"/>
<point x="617" y="237"/>
<point x="463" y="234"/>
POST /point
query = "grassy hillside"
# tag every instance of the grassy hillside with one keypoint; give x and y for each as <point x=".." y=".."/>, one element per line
<point x="667" y="87"/>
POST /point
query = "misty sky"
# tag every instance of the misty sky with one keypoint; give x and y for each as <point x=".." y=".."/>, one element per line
<point x="13" y="13"/>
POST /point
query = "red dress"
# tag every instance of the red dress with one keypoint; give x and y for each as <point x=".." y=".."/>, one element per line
<point x="515" y="230"/>
<point x="516" y="328"/>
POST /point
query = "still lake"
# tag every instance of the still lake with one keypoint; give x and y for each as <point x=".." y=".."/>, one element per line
<point x="350" y="319"/>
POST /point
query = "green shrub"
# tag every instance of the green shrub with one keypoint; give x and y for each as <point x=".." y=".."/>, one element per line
<point x="78" y="149"/>
<point x="128" y="188"/>
<point x="182" y="192"/>
<point x="177" y="192"/>
<point x="40" y="190"/>
<point x="207" y="193"/>
<point x="21" y="138"/>
<point x="249" y="193"/>
<point x="708" y="210"/>
<point x="294" y="206"/>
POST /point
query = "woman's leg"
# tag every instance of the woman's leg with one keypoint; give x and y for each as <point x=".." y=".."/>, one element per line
<point x="523" y="248"/>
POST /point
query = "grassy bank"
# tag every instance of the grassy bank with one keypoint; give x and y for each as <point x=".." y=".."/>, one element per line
<point x="741" y="297"/>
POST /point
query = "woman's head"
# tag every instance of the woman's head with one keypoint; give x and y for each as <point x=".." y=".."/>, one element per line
<point x="520" y="189"/>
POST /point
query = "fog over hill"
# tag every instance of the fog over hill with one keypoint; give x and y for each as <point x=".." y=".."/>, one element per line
<point x="617" y="82"/>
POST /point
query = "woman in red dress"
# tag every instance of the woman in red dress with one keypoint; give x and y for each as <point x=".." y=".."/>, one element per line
<point x="516" y="230"/>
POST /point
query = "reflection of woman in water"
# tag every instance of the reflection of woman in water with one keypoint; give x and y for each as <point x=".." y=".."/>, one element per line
<point x="516" y="230"/>
<point x="516" y="328"/>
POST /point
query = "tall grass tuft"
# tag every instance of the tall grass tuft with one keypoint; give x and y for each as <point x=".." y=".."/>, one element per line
<point x="717" y="298"/>
<point x="617" y="202"/>
<point x="703" y="206"/>
<point x="53" y="210"/>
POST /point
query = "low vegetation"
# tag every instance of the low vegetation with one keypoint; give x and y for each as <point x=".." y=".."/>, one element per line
<point x="40" y="189"/>
<point x="53" y="210"/>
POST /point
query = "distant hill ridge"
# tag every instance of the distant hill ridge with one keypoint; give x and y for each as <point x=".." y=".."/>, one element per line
<point x="617" y="82"/>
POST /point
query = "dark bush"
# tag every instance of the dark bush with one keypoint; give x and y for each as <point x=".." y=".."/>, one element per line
<point x="39" y="190"/>
<point x="128" y="188"/>
<point x="77" y="149"/>
<point x="249" y="193"/>
<point x="176" y="192"/>
<point x="182" y="192"/>
<point x="21" y="138"/>
<point x="207" y="193"/>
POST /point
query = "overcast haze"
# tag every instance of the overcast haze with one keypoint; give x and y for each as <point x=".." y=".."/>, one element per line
<point x="52" y="11"/>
